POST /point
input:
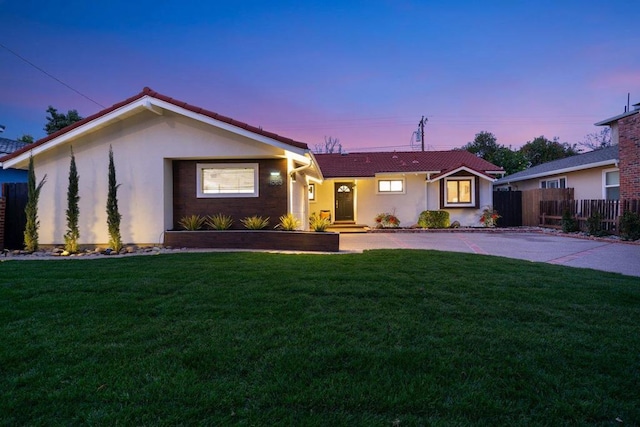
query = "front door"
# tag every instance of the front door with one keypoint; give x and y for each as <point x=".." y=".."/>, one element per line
<point x="344" y="201"/>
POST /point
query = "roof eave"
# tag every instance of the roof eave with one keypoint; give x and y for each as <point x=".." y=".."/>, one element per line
<point x="612" y="162"/>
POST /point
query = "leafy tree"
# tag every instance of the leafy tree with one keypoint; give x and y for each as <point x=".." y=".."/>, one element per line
<point x="31" y="209"/>
<point x="331" y="145"/>
<point x="73" y="212"/>
<point x="542" y="150"/>
<point x="597" y="140"/>
<point x="26" y="138"/>
<point x="57" y="121"/>
<point x="484" y="145"/>
<point x="113" y="215"/>
<point x="510" y="160"/>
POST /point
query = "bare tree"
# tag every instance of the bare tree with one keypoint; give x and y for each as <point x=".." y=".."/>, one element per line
<point x="331" y="145"/>
<point x="596" y="140"/>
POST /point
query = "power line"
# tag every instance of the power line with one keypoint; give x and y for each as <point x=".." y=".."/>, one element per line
<point x="50" y="75"/>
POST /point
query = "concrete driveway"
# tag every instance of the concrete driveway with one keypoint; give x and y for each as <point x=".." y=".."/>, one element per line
<point x="532" y="246"/>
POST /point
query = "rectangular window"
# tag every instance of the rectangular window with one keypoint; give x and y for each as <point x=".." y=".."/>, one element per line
<point x="312" y="192"/>
<point x="227" y="179"/>
<point x="554" y="183"/>
<point x="612" y="185"/>
<point x="390" y="186"/>
<point x="459" y="192"/>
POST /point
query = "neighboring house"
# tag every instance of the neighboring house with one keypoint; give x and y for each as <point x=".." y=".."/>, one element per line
<point x="592" y="175"/>
<point x="8" y="146"/>
<point x="172" y="160"/>
<point x="609" y="173"/>
<point x="359" y="186"/>
<point x="625" y="131"/>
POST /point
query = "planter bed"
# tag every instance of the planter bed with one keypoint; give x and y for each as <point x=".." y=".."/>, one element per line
<point x="254" y="239"/>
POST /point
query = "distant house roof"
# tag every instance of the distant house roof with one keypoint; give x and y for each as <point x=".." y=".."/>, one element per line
<point x="437" y="163"/>
<point x="8" y="146"/>
<point x="147" y="92"/>
<point x="607" y="122"/>
<point x="592" y="159"/>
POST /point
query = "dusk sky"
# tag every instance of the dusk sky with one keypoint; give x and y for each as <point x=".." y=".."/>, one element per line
<point x="363" y="72"/>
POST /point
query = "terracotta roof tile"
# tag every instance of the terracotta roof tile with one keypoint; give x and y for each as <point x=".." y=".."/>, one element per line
<point x="149" y="92"/>
<point x="359" y="165"/>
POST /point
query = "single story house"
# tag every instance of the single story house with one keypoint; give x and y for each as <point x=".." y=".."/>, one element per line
<point x="592" y="175"/>
<point x="359" y="186"/>
<point x="8" y="146"/>
<point x="172" y="160"/>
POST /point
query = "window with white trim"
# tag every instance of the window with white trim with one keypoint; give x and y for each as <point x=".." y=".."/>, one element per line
<point x="554" y="183"/>
<point x="459" y="192"/>
<point x="227" y="180"/>
<point x="391" y="186"/>
<point x="611" y="180"/>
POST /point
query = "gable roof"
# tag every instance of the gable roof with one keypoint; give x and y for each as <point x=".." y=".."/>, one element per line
<point x="609" y="121"/>
<point x="150" y="100"/>
<point x="8" y="146"/>
<point x="602" y="157"/>
<point x="437" y="163"/>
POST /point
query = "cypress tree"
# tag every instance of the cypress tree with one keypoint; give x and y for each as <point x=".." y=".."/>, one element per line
<point x="113" y="215"/>
<point x="31" y="209"/>
<point x="73" y="212"/>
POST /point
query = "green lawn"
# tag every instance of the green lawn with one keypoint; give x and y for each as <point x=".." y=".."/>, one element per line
<point x="383" y="338"/>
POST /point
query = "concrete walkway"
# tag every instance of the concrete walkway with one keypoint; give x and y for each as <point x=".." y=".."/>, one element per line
<point x="534" y="246"/>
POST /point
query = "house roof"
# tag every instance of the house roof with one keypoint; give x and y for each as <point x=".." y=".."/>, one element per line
<point x="607" y="122"/>
<point x="592" y="159"/>
<point x="8" y="146"/>
<point x="438" y="163"/>
<point x="147" y="92"/>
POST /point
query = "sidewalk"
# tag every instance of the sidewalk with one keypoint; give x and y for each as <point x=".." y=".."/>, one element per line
<point x="602" y="255"/>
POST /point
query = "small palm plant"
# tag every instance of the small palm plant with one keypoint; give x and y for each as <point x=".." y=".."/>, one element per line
<point x="319" y="223"/>
<point x="219" y="222"/>
<point x="288" y="222"/>
<point x="192" y="222"/>
<point x="255" y="222"/>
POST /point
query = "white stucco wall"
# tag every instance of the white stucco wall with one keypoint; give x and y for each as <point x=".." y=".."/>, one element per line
<point x="143" y="146"/>
<point x="419" y="196"/>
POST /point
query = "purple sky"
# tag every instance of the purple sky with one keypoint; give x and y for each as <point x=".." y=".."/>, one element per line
<point x="364" y="72"/>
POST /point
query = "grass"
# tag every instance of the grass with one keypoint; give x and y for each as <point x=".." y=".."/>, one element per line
<point x="383" y="338"/>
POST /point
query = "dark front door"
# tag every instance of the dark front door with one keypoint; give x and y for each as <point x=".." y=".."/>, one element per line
<point x="344" y="201"/>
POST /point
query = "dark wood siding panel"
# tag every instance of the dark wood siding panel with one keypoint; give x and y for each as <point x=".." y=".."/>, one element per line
<point x="272" y="200"/>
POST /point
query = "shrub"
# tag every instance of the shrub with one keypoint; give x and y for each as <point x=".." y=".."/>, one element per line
<point x="630" y="226"/>
<point x="255" y="222"/>
<point x="594" y="225"/>
<point x="434" y="219"/>
<point x="569" y="223"/>
<point x="318" y="223"/>
<point x="192" y="222"/>
<point x="73" y="212"/>
<point x="288" y="222"/>
<point x="219" y="222"/>
<point x="489" y="217"/>
<point x="31" y="210"/>
<point x="113" y="214"/>
<point x="387" y="220"/>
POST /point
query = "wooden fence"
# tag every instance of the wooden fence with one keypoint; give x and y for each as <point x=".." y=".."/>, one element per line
<point x="551" y="212"/>
<point x="531" y="202"/>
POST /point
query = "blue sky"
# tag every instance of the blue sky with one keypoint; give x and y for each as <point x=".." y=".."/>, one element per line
<point x="363" y="72"/>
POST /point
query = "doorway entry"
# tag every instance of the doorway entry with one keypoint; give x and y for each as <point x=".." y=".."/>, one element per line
<point x="344" y="201"/>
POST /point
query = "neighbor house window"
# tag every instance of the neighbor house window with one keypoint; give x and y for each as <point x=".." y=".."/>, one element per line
<point x="227" y="179"/>
<point x="554" y="183"/>
<point x="611" y="184"/>
<point x="460" y="192"/>
<point x="390" y="186"/>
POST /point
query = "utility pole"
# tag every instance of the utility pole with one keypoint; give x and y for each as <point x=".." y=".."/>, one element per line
<point x="423" y="121"/>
